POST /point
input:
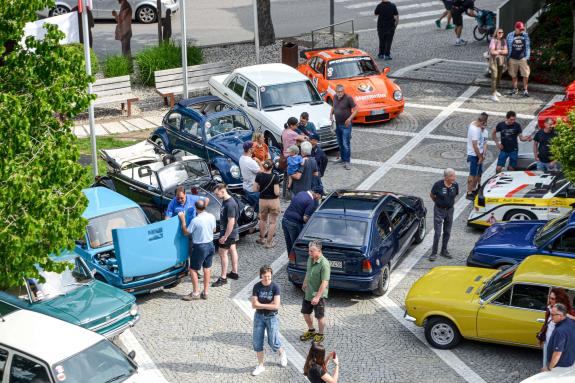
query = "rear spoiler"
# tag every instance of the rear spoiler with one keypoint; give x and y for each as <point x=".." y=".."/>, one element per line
<point x="306" y="53"/>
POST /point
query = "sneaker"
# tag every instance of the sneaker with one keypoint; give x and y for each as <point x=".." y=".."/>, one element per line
<point x="432" y="257"/>
<point x="445" y="254"/>
<point x="463" y="42"/>
<point x="191" y="297"/>
<point x="318" y="338"/>
<point x="459" y="43"/>
<point x="388" y="57"/>
<point x="438" y="23"/>
<point x="258" y="370"/>
<point x="203" y="295"/>
<point x="514" y="92"/>
<point x="339" y="161"/>
<point x="525" y="93"/>
<point x="309" y="334"/>
<point x="381" y="57"/>
<point x="498" y="94"/>
<point x="283" y="359"/>
<point x="220" y="282"/>
<point x="233" y="275"/>
<point x="494" y="98"/>
<point x="449" y="26"/>
<point x="347" y="166"/>
<point x="470" y="196"/>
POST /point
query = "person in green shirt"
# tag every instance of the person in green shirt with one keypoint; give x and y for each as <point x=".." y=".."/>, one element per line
<point x="316" y="287"/>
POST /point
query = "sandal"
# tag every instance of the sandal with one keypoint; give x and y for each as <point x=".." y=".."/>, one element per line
<point x="270" y="245"/>
<point x="261" y="240"/>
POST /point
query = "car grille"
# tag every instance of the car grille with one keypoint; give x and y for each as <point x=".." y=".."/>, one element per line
<point x="327" y="137"/>
<point x="115" y="316"/>
<point x="377" y="117"/>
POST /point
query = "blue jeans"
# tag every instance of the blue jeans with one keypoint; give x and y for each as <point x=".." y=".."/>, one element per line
<point x="263" y="323"/>
<point x="291" y="231"/>
<point x="475" y="168"/>
<point x="253" y="199"/>
<point x="343" y="134"/>
<point x="546" y="166"/>
<point x="502" y="159"/>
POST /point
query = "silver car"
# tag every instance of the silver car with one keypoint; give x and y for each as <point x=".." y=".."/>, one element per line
<point x="143" y="11"/>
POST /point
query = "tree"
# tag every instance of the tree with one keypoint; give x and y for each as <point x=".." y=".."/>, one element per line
<point x="563" y="146"/>
<point x="43" y="86"/>
<point x="265" y="25"/>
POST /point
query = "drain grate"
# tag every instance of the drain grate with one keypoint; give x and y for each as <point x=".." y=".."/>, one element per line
<point x="444" y="71"/>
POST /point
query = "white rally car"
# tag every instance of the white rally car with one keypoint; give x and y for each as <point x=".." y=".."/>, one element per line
<point x="522" y="195"/>
<point x="272" y="93"/>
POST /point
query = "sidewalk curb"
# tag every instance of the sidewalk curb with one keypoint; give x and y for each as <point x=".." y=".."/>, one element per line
<point x="544" y="88"/>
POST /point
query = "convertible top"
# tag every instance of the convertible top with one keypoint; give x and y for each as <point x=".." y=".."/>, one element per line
<point x="142" y="151"/>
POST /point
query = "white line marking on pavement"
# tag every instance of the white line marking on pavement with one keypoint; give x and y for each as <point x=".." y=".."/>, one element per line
<point x="146" y="366"/>
<point x="408" y="68"/>
<point x="241" y="299"/>
<point x="402" y="25"/>
<point x="409" y="16"/>
<point x="370" y="4"/>
<point x="388" y="131"/>
<point x="401" y="153"/>
<point x="415" y="168"/>
<point x="467" y="110"/>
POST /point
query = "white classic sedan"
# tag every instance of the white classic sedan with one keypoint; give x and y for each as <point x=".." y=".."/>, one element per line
<point x="272" y="93"/>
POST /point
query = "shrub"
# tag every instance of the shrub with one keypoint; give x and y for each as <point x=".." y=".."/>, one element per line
<point x="117" y="66"/>
<point x="165" y="56"/>
<point x="93" y="57"/>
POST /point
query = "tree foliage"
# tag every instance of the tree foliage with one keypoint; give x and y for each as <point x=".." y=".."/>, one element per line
<point x="563" y="146"/>
<point x="43" y="85"/>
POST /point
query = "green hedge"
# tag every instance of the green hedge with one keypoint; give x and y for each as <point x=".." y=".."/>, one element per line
<point x="117" y="66"/>
<point x="166" y="56"/>
<point x="93" y="58"/>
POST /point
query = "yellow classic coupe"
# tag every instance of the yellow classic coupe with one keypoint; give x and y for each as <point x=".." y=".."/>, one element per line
<point x="499" y="306"/>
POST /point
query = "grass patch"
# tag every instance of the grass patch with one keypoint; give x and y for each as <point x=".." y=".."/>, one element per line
<point x="117" y="66"/>
<point x="107" y="142"/>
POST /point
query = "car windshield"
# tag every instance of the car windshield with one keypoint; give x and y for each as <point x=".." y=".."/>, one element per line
<point x="550" y="229"/>
<point x="344" y="231"/>
<point x="59" y="283"/>
<point x="102" y="362"/>
<point x="351" y="67"/>
<point x="181" y="172"/>
<point x="498" y="282"/>
<point x="100" y="228"/>
<point x="284" y="95"/>
<point x="226" y="124"/>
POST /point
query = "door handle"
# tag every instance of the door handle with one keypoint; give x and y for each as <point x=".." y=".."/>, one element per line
<point x="225" y="93"/>
<point x="540" y="320"/>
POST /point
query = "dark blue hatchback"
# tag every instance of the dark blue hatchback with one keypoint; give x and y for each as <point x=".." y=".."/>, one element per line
<point x="364" y="234"/>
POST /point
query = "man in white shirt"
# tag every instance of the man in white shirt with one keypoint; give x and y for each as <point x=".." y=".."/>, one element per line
<point x="250" y="168"/>
<point x="201" y="229"/>
<point x="476" y="150"/>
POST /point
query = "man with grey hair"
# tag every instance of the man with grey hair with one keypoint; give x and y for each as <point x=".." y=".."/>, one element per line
<point x="306" y="177"/>
<point x="561" y="346"/>
<point x="443" y="194"/>
<point x="316" y="287"/>
<point x="343" y="112"/>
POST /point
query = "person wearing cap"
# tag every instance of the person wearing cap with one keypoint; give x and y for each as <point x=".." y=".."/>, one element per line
<point x="318" y="153"/>
<point x="299" y="211"/>
<point x="519" y="47"/>
<point x="249" y="169"/>
<point x="305" y="126"/>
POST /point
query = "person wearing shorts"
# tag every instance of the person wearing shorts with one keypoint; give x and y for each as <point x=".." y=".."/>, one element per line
<point x="268" y="185"/>
<point x="519" y="52"/>
<point x="201" y="229"/>
<point x="458" y="8"/>
<point x="229" y="234"/>
<point x="476" y="150"/>
<point x="316" y="287"/>
<point x="448" y="4"/>
<point x="509" y="131"/>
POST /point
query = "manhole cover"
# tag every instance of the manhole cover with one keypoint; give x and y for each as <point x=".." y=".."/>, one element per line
<point x="444" y="71"/>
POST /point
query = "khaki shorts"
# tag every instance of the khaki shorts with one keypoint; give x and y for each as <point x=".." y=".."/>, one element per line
<point x="270" y="206"/>
<point x="513" y="66"/>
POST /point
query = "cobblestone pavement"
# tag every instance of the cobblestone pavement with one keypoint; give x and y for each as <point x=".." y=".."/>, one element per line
<point x="210" y="341"/>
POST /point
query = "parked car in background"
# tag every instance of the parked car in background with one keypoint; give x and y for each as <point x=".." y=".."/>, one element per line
<point x="143" y="11"/>
<point x="363" y="234"/>
<point x="37" y="348"/>
<point x="210" y="129"/>
<point x="146" y="176"/>
<point x="557" y="375"/>
<point x="378" y="98"/>
<point x="496" y="306"/>
<point x="520" y="196"/>
<point x="76" y="297"/>
<point x="507" y="243"/>
<point x="560" y="108"/>
<point x="125" y="251"/>
<point x="272" y="93"/>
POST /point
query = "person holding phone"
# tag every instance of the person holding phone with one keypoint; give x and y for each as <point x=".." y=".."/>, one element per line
<point x="315" y="367"/>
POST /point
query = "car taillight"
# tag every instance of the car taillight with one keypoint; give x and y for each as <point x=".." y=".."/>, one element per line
<point x="366" y="266"/>
<point x="291" y="257"/>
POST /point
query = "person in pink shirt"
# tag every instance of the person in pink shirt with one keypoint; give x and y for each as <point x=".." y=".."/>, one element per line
<point x="290" y="136"/>
<point x="497" y="56"/>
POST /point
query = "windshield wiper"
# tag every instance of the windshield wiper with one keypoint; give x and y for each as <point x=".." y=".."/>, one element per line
<point x="321" y="238"/>
<point x="316" y="102"/>
<point x="116" y="378"/>
<point x="276" y="106"/>
<point x="78" y="284"/>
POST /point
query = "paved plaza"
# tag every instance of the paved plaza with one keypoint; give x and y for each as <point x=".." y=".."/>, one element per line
<point x="210" y="341"/>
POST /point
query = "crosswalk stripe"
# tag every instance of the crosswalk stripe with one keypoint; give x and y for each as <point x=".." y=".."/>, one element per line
<point x="419" y="5"/>
<point x="402" y="26"/>
<point x="408" y="16"/>
<point x="367" y="4"/>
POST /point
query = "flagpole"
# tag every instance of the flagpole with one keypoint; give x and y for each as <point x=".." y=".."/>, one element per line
<point x="256" y="31"/>
<point x="86" y="35"/>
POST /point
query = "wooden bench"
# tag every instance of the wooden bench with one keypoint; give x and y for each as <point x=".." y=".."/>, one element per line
<point x="169" y="82"/>
<point x="113" y="90"/>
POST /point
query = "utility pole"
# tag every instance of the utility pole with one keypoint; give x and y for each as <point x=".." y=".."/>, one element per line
<point x="86" y="34"/>
<point x="331" y="16"/>
<point x="184" y="47"/>
<point x="159" y="8"/>
<point x="256" y="31"/>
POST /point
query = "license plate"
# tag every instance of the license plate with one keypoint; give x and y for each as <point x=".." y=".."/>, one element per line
<point x="336" y="264"/>
<point x="155" y="289"/>
<point x="377" y="112"/>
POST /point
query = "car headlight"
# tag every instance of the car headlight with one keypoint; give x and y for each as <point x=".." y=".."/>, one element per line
<point x="235" y="171"/>
<point x="134" y="310"/>
<point x="397" y="95"/>
<point x="249" y="212"/>
<point x="128" y="279"/>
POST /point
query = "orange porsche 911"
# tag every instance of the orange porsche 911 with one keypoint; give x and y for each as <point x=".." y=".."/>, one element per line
<point x="378" y="98"/>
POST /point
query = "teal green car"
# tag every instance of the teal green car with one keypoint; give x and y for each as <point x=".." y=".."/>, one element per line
<point x="76" y="297"/>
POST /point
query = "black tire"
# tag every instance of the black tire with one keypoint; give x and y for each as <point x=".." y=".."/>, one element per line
<point x="383" y="282"/>
<point x="421" y="231"/>
<point x="58" y="10"/>
<point x="519" y="215"/>
<point x="271" y="140"/>
<point x="146" y="14"/>
<point x="442" y="333"/>
<point x="477" y="35"/>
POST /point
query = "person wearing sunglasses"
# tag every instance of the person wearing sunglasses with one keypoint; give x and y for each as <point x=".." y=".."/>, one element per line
<point x="497" y="56"/>
<point x="557" y="295"/>
<point x="560" y="350"/>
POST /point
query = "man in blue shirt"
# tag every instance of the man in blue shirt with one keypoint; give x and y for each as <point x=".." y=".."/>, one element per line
<point x="519" y="52"/>
<point x="305" y="126"/>
<point x="298" y="213"/>
<point x="183" y="202"/>
<point x="561" y="346"/>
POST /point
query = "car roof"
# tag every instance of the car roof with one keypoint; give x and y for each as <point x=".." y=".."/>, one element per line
<point x="186" y="102"/>
<point x="353" y="203"/>
<point x="44" y="337"/>
<point x="340" y="53"/>
<point x="102" y="201"/>
<point x="547" y="270"/>
<point x="270" y="74"/>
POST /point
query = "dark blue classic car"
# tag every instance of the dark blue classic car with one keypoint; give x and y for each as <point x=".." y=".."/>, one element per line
<point x="211" y="129"/>
<point x="364" y="234"/>
<point x="507" y="243"/>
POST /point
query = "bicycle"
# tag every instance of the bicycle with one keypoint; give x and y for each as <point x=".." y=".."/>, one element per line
<point x="486" y="23"/>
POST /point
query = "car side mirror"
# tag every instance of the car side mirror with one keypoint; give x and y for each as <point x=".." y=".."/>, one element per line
<point x="252" y="104"/>
<point x="322" y="94"/>
<point x="132" y="354"/>
<point x="385" y="70"/>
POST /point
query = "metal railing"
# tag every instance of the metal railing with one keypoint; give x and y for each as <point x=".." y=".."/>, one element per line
<point x="514" y="10"/>
<point x="332" y="31"/>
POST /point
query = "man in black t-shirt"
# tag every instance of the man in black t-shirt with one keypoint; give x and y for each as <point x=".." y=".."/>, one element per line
<point x="541" y="149"/>
<point x="229" y="234"/>
<point x="443" y="194"/>
<point x="509" y="130"/>
<point x="458" y="8"/>
<point x="387" y="20"/>
<point x="343" y="112"/>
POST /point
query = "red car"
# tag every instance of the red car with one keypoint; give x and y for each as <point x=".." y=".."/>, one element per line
<point x="560" y="108"/>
